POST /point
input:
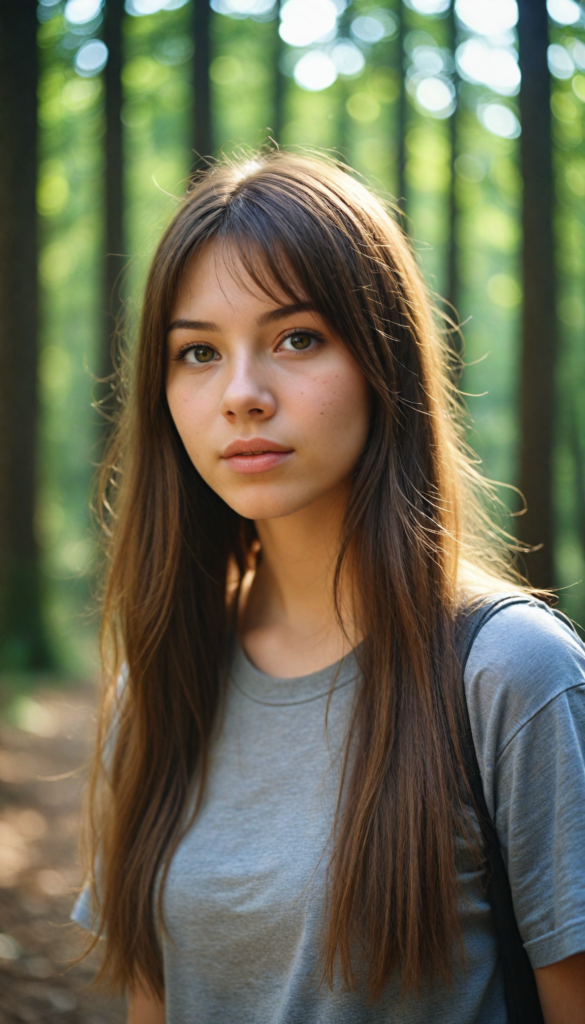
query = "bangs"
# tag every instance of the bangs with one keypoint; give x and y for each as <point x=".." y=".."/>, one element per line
<point x="268" y="268"/>
<point x="288" y="244"/>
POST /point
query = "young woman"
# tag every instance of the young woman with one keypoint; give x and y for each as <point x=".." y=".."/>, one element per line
<point x="282" y="823"/>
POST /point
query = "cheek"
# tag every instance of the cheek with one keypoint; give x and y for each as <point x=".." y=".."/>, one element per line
<point x="191" y="413"/>
<point x="338" y="408"/>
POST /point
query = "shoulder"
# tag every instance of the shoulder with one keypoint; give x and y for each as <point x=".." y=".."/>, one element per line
<point x="522" y="659"/>
<point x="525" y="687"/>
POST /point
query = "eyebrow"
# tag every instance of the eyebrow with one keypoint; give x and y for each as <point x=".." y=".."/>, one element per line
<point x="266" y="318"/>
<point x="193" y="325"/>
<point x="283" y="311"/>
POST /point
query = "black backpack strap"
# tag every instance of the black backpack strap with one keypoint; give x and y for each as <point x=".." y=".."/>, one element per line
<point x="519" y="981"/>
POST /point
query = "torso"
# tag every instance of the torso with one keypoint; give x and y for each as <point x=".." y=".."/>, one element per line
<point x="245" y="895"/>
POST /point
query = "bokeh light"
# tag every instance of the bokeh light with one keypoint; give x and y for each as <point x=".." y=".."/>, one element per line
<point x="91" y="58"/>
<point x="560" y="62"/>
<point x="140" y="8"/>
<point x="428" y="60"/>
<point x="499" y="120"/>
<point x="363" y="107"/>
<point x="494" y="66"/>
<point x="47" y="9"/>
<point x="373" y="27"/>
<point x="429" y="6"/>
<point x="504" y="291"/>
<point x="564" y="12"/>
<point x="242" y="8"/>
<point x="315" y="71"/>
<point x="249" y="7"/>
<point x="348" y="58"/>
<point x="79" y="12"/>
<point x="303" y="22"/>
<point x="578" y="53"/>
<point x="469" y="167"/>
<point x="487" y="19"/>
<point x="578" y="85"/>
<point x="436" y="96"/>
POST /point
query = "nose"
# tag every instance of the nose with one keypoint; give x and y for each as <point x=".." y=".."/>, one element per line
<point x="247" y="394"/>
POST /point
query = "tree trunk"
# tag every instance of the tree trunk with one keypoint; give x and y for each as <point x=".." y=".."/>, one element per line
<point x="22" y="638"/>
<point x="402" y="113"/>
<point x="279" y="83"/>
<point x="579" y="465"/>
<point x="343" y="126"/>
<point x="114" y="193"/>
<point x="539" y="343"/>
<point x="452" y="249"/>
<point x="203" y="136"/>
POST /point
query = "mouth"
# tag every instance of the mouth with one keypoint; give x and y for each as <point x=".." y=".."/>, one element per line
<point x="256" y="455"/>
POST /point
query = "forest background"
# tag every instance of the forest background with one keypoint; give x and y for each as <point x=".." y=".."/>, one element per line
<point x="470" y="116"/>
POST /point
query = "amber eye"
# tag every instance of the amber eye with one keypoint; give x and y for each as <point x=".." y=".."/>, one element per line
<point x="300" y="341"/>
<point x="201" y="354"/>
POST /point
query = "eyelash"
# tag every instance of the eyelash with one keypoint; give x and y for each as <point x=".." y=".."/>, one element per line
<point x="301" y="330"/>
<point x="180" y="356"/>
<point x="182" y="353"/>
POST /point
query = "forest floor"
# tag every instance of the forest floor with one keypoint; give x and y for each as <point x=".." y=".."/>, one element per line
<point x="44" y="745"/>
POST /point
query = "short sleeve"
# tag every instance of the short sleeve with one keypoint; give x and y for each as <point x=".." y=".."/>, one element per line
<point x="525" y="685"/>
<point x="83" y="913"/>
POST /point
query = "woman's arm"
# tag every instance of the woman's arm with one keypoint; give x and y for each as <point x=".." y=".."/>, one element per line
<point x="144" y="1008"/>
<point x="561" y="988"/>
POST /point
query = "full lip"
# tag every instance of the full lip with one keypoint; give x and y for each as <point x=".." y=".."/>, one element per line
<point x="253" y="446"/>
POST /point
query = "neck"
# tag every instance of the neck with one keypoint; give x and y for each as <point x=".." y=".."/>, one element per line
<point x="289" y="626"/>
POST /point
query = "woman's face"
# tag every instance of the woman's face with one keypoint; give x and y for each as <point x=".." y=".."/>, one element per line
<point x="271" y="407"/>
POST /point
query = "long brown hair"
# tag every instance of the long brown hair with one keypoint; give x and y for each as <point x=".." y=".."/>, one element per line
<point x="419" y="537"/>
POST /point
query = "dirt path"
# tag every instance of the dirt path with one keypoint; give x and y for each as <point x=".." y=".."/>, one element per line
<point x="39" y="872"/>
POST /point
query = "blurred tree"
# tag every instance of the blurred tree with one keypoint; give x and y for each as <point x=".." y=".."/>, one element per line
<point x="279" y="81"/>
<point x="402" y="115"/>
<point x="452" y="247"/>
<point x="539" y="343"/>
<point x="114" y="188"/>
<point x="158" y="138"/>
<point x="579" y="463"/>
<point x="343" y="126"/>
<point x="22" y="639"/>
<point x="343" y="122"/>
<point x="202" y="123"/>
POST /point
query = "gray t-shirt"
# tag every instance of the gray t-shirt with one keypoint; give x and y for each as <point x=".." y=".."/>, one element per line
<point x="244" y="899"/>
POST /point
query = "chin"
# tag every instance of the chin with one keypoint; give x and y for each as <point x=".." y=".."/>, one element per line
<point x="267" y="505"/>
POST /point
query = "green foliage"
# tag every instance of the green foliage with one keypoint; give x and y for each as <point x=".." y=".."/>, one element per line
<point x="241" y="78"/>
<point x="70" y="204"/>
<point x="157" y="115"/>
<point x="357" y="117"/>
